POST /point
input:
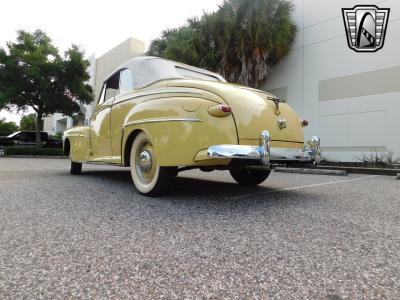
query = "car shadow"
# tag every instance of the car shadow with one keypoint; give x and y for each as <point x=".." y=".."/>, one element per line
<point x="181" y="185"/>
<point x="196" y="189"/>
<point x="185" y="186"/>
<point x="114" y="176"/>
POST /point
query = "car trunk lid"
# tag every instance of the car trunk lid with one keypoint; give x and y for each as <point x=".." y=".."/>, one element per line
<point x="253" y="111"/>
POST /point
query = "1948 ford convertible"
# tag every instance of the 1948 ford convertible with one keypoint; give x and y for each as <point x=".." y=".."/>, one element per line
<point x="159" y="117"/>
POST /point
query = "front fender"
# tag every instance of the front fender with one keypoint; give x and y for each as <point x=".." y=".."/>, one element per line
<point x="79" y="140"/>
<point x="179" y="128"/>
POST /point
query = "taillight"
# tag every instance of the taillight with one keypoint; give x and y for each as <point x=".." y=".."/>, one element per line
<point x="220" y="110"/>
<point x="303" y="123"/>
<point x="226" y="108"/>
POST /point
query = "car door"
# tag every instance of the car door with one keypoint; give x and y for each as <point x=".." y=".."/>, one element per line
<point x="100" y="124"/>
<point x="119" y="112"/>
<point x="20" y="139"/>
<point x="30" y="138"/>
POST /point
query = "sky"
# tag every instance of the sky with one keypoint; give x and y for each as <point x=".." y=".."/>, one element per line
<point x="96" y="26"/>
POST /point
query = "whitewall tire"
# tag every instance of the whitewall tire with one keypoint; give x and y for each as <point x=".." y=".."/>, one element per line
<point x="148" y="176"/>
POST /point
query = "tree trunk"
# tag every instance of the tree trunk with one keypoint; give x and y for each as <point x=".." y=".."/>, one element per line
<point x="38" y="130"/>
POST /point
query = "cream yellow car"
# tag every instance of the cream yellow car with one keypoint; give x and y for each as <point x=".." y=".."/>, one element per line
<point x="159" y="117"/>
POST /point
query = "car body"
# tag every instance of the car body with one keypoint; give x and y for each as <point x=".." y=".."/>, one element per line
<point x="28" y="138"/>
<point x="186" y="118"/>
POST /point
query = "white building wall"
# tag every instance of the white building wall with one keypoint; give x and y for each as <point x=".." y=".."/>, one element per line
<point x="357" y="123"/>
<point x="92" y="81"/>
<point x="48" y="125"/>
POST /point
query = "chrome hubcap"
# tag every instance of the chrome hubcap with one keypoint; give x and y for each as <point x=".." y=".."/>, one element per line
<point x="145" y="161"/>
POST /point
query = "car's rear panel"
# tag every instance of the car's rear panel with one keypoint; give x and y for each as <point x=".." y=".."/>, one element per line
<point x="254" y="111"/>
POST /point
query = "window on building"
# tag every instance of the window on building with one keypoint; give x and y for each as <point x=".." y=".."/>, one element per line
<point x="126" y="81"/>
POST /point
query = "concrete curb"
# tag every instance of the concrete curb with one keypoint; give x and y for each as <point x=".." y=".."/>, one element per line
<point x="361" y="170"/>
<point x="354" y="170"/>
<point x="311" y="171"/>
<point x="34" y="156"/>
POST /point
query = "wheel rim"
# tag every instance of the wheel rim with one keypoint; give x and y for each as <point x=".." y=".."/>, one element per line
<point x="145" y="162"/>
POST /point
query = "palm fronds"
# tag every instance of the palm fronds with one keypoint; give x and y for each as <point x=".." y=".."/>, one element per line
<point x="242" y="40"/>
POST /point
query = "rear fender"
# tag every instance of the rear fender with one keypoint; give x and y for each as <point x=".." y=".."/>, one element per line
<point x="179" y="128"/>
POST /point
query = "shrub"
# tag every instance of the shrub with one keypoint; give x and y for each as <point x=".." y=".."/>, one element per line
<point x="378" y="159"/>
<point x="58" y="136"/>
<point x="18" y="150"/>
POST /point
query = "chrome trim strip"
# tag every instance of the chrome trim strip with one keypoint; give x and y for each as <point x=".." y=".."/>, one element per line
<point x="75" y="135"/>
<point x="157" y="120"/>
<point x="156" y="92"/>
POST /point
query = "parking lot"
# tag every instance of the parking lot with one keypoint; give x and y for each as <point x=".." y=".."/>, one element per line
<point x="296" y="236"/>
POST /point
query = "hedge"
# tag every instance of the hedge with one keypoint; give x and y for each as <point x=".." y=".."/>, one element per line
<point x="18" y="150"/>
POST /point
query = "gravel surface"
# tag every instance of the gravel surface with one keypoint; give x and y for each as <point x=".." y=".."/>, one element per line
<point x="294" y="237"/>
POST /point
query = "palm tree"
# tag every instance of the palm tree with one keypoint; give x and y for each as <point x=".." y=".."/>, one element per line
<point x="242" y="40"/>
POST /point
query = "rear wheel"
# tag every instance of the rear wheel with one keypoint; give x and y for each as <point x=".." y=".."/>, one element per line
<point x="76" y="168"/>
<point x="148" y="176"/>
<point x="250" y="177"/>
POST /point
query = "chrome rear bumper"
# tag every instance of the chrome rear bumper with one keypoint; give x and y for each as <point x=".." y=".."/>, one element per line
<point x="310" y="153"/>
<point x="261" y="152"/>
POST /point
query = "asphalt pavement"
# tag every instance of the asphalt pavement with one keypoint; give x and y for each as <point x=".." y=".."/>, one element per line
<point x="294" y="237"/>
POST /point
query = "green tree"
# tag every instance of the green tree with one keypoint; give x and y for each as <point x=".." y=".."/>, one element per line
<point x="7" y="128"/>
<point x="28" y="122"/>
<point x="34" y="74"/>
<point x="242" y="40"/>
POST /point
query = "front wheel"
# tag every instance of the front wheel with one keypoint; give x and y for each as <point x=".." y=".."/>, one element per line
<point x="250" y="177"/>
<point x="149" y="178"/>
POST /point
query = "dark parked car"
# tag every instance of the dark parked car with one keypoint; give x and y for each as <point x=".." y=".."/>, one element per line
<point x="28" y="138"/>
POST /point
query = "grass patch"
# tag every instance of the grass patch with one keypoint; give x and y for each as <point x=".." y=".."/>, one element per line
<point x="18" y="150"/>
